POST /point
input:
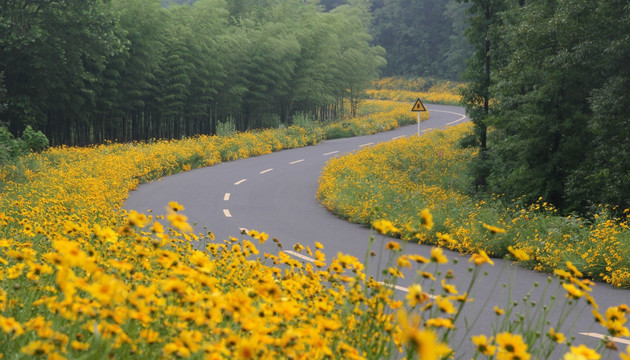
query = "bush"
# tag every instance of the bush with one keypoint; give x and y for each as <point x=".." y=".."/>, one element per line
<point x="11" y="147"/>
<point x="226" y="128"/>
<point x="35" y="141"/>
<point x="302" y="119"/>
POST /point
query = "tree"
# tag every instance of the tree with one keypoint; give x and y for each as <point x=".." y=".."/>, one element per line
<point x="543" y="127"/>
<point x="53" y="53"/>
<point x="483" y="34"/>
<point x="604" y="175"/>
<point x="418" y="36"/>
<point x="357" y="60"/>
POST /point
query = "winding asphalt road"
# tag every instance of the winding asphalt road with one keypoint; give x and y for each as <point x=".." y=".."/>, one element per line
<point x="275" y="193"/>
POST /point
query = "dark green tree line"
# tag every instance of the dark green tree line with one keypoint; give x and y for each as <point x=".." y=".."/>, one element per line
<point x="126" y="70"/>
<point x="423" y="38"/>
<point x="557" y="100"/>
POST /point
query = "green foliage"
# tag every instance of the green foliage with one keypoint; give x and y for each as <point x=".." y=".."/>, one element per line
<point x="35" y="141"/>
<point x="303" y="119"/>
<point x="422" y="38"/>
<point x="132" y="70"/>
<point x="554" y="136"/>
<point x="12" y="147"/>
<point x="226" y="128"/>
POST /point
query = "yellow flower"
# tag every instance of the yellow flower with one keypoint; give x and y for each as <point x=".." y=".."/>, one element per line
<point x="393" y="246"/>
<point x="403" y="261"/>
<point x="445" y="305"/>
<point x="11" y="326"/>
<point x="77" y="345"/>
<point x="481" y="258"/>
<point x="449" y="288"/>
<point x="427" y="275"/>
<point x="498" y="310"/>
<point x="484" y="345"/>
<point x="247" y="348"/>
<point x="107" y="290"/>
<point x="556" y="337"/>
<point x="38" y="347"/>
<point x="418" y="258"/>
<point x="511" y="346"/>
<point x="395" y="272"/>
<point x="562" y="274"/>
<point x="446" y="238"/>
<point x="616" y="328"/>
<point x="440" y="323"/>
<point x="574" y="269"/>
<point x="572" y="291"/>
<point x="150" y="336"/>
<point x="518" y="254"/>
<point x="493" y="229"/>
<point x="136" y="219"/>
<point x="423" y="342"/>
<point x="437" y="255"/>
<point x="176" y="348"/>
<point x="201" y="262"/>
<point x="175" y="206"/>
<point x="586" y="352"/>
<point x="179" y="222"/>
<point x="626" y="355"/>
<point x="426" y="219"/>
<point x="416" y="296"/>
<point x="384" y="226"/>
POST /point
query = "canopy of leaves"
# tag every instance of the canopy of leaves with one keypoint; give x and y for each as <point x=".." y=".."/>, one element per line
<point x="558" y="99"/>
<point x="141" y="69"/>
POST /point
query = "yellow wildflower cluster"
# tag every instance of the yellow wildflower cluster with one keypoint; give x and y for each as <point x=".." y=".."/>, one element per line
<point x="374" y="116"/>
<point x="400" y="179"/>
<point x="408" y="90"/>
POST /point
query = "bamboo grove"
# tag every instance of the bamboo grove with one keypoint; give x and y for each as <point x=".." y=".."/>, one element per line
<point x="121" y="70"/>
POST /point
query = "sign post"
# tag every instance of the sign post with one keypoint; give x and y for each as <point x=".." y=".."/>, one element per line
<point x="418" y="107"/>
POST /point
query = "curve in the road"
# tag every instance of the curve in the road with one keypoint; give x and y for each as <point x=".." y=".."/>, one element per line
<point x="275" y="193"/>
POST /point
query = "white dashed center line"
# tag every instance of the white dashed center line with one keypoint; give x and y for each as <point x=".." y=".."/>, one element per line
<point x="398" y="137"/>
<point x="226" y="212"/>
<point x="600" y="336"/>
<point x="265" y="171"/>
<point x="330" y="153"/>
<point x="240" y="182"/>
<point x="226" y="197"/>
<point x="296" y="161"/>
<point x="298" y="255"/>
<point x="368" y="144"/>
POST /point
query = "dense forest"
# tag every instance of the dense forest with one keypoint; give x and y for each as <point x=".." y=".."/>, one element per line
<point x="95" y="70"/>
<point x="548" y="88"/>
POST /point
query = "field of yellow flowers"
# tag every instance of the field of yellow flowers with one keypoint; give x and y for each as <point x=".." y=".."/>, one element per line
<point x="82" y="279"/>
<point x="397" y="180"/>
<point x="431" y="91"/>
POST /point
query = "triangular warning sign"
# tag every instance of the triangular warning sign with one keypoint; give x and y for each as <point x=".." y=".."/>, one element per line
<point x="418" y="106"/>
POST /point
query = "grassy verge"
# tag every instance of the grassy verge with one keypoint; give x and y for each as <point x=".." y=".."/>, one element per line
<point x="397" y="180"/>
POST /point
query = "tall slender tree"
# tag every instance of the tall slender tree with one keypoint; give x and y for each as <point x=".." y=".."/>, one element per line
<point x="483" y="33"/>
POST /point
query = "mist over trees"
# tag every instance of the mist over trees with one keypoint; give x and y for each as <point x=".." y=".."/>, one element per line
<point x="90" y="71"/>
<point x="422" y="38"/>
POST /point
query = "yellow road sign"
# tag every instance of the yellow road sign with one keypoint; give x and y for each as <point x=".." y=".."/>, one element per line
<point x="418" y="106"/>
